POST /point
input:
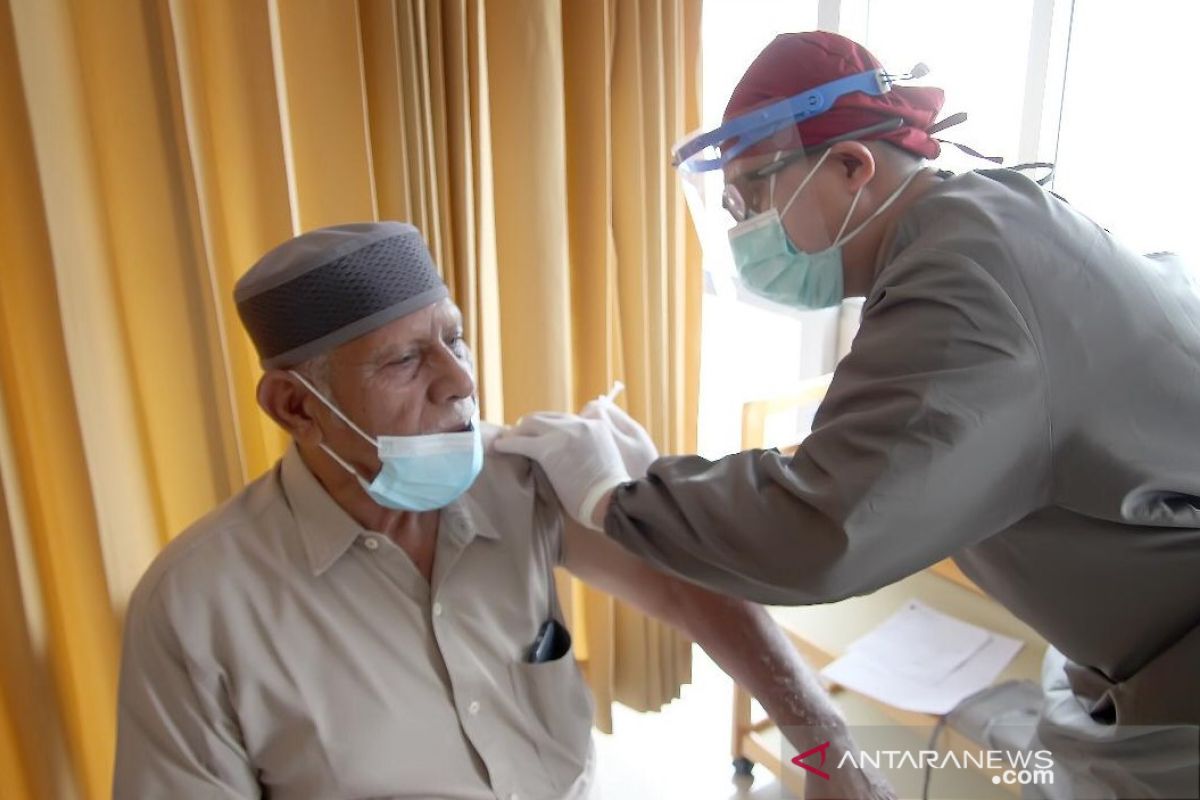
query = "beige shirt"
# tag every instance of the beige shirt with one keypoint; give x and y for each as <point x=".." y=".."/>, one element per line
<point x="277" y="648"/>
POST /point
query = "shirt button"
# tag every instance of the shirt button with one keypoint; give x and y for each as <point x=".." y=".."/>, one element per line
<point x="473" y="709"/>
<point x="437" y="609"/>
<point x="371" y="543"/>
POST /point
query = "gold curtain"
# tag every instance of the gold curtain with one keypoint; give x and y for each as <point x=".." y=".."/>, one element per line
<point x="632" y="90"/>
<point x="152" y="150"/>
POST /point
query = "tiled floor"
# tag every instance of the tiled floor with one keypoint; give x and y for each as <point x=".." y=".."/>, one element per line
<point x="681" y="753"/>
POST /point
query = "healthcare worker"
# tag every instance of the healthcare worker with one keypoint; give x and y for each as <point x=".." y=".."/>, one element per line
<point x="1023" y="395"/>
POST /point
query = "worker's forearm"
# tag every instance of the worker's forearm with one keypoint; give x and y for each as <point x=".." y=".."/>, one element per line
<point x="745" y="525"/>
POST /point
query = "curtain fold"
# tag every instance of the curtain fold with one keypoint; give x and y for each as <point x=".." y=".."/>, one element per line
<point x="154" y="150"/>
<point x="632" y="88"/>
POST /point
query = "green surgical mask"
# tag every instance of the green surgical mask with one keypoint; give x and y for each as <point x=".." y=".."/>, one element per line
<point x="771" y="266"/>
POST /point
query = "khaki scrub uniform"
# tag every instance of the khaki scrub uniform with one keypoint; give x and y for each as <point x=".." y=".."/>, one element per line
<point x="1024" y="395"/>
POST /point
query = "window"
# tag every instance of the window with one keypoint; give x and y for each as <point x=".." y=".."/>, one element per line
<point x="1125" y="149"/>
<point x="1087" y="84"/>
<point x="1098" y="87"/>
<point x="749" y="350"/>
<point x="977" y="52"/>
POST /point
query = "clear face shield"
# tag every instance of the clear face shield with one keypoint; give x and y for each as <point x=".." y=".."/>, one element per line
<point x="749" y="187"/>
<point x="734" y="180"/>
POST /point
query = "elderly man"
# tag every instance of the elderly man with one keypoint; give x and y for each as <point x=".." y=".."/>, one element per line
<point x="375" y="616"/>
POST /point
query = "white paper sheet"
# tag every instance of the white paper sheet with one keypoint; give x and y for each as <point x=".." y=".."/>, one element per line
<point x="920" y="643"/>
<point x="922" y="660"/>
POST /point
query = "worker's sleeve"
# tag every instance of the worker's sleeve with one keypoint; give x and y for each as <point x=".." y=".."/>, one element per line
<point x="934" y="435"/>
<point x="176" y="734"/>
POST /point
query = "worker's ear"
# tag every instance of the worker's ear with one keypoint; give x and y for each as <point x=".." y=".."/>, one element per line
<point x="290" y="404"/>
<point x="856" y="162"/>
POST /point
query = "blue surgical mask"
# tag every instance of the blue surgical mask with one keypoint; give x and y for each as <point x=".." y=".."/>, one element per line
<point x="771" y="266"/>
<point x="419" y="473"/>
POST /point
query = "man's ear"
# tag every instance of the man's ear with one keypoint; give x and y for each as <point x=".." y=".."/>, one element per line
<point x="857" y="162"/>
<point x="290" y="404"/>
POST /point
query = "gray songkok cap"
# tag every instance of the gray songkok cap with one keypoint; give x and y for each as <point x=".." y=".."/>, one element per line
<point x="328" y="286"/>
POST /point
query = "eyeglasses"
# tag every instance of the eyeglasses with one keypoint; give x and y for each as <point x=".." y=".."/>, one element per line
<point x="743" y="202"/>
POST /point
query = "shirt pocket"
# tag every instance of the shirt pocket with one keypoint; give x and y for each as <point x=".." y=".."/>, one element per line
<point x="559" y="707"/>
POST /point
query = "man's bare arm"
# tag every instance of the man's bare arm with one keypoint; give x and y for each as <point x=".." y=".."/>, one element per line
<point x="739" y="636"/>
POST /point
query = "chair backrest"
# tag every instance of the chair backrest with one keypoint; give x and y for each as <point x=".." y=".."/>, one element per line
<point x="756" y="412"/>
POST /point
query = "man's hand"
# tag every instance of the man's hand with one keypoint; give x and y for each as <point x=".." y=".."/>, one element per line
<point x="578" y="455"/>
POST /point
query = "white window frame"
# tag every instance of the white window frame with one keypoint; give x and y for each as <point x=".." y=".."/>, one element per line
<point x="1045" y="66"/>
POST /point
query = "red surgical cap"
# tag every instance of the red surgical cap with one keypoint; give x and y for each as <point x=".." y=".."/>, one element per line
<point x="796" y="62"/>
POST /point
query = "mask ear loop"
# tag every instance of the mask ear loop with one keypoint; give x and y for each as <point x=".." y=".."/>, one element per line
<point x="329" y="450"/>
<point x="883" y="207"/>
<point x="334" y="408"/>
<point x="849" y="215"/>
<point x="803" y="183"/>
<point x="344" y="465"/>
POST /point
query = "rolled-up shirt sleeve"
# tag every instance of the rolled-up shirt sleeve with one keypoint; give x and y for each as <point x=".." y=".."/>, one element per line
<point x="176" y="735"/>
<point x="934" y="435"/>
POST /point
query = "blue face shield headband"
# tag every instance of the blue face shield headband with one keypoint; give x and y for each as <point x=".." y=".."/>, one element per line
<point x="716" y="148"/>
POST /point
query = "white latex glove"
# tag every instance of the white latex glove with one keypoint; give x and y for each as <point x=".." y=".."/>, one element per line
<point x="578" y="455"/>
<point x="635" y="445"/>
